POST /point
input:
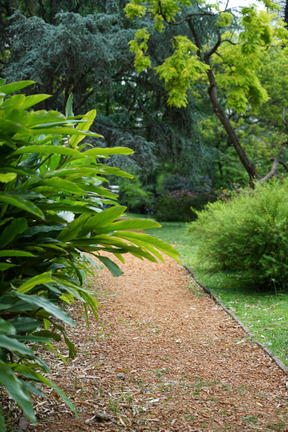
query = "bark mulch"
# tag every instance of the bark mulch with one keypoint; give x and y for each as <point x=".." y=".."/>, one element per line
<point x="163" y="357"/>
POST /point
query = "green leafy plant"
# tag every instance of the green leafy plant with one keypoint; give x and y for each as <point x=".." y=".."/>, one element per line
<point x="248" y="233"/>
<point x="134" y="195"/>
<point x="52" y="224"/>
<point x="180" y="205"/>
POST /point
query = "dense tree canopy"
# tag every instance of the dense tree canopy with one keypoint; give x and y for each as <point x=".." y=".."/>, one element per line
<point x="82" y="47"/>
<point x="227" y="59"/>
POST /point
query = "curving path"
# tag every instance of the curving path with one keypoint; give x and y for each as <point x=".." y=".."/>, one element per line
<point x="164" y="357"/>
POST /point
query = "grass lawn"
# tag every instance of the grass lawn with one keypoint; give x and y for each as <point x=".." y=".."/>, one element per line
<point x="265" y="313"/>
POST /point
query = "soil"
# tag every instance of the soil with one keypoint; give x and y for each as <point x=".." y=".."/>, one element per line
<point x="162" y="357"/>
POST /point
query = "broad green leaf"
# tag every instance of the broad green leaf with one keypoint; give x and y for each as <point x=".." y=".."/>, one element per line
<point x="75" y="208"/>
<point x="77" y="289"/>
<point x="69" y="106"/>
<point x="49" y="149"/>
<point x="18" y="170"/>
<point x="31" y="231"/>
<point x="102" y="191"/>
<point x="8" y="301"/>
<point x="17" y="390"/>
<point x="76" y="172"/>
<point x="36" y="280"/>
<point x="4" y="221"/>
<point x="2" y="421"/>
<point x="102" y="219"/>
<point x="6" y="327"/>
<point x="34" y="99"/>
<point x="114" y="246"/>
<point x="70" y="345"/>
<point x="48" y="334"/>
<point x="6" y="266"/>
<point x="108" y="151"/>
<point x="13" y="345"/>
<point x="112" y="267"/>
<point x="15" y="101"/>
<point x="9" y="128"/>
<point x="147" y="240"/>
<point x="72" y="229"/>
<point x="31" y="374"/>
<point x="135" y="224"/>
<point x="25" y="324"/>
<point x="45" y="117"/>
<point x="13" y="87"/>
<point x="19" y="202"/>
<point x="17" y="226"/>
<point x="34" y="339"/>
<point x="48" y="306"/>
<point x="33" y="389"/>
<point x="8" y="177"/>
<point x="63" y="131"/>
<point x="10" y="253"/>
<point x="107" y="170"/>
<point x="64" y="185"/>
<point x="90" y="116"/>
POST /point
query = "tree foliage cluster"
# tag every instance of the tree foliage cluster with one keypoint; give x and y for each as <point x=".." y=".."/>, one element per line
<point x="228" y="60"/>
<point x="52" y="218"/>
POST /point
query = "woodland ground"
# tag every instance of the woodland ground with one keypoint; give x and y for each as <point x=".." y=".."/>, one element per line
<point x="163" y="357"/>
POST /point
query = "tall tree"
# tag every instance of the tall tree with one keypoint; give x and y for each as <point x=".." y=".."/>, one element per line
<point x="239" y="54"/>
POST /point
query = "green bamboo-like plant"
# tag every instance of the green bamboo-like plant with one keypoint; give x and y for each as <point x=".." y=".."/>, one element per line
<point x="52" y="200"/>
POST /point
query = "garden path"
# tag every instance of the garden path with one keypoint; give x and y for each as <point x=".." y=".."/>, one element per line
<point x="164" y="357"/>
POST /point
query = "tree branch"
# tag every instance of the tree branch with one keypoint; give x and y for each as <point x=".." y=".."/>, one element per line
<point x="197" y="42"/>
<point x="274" y="166"/>
<point x="190" y="16"/>
<point x="283" y="116"/>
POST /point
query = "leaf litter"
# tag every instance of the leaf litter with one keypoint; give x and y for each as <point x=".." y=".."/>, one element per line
<point x="162" y="357"/>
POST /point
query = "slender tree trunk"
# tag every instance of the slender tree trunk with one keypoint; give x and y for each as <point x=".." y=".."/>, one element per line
<point x="286" y="13"/>
<point x="217" y="107"/>
<point x="219" y="111"/>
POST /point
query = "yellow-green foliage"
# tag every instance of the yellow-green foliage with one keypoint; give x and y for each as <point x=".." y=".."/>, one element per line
<point x="236" y="75"/>
<point x="141" y="61"/>
<point x="181" y="70"/>
<point x="248" y="233"/>
<point x="225" y="19"/>
<point x="237" y="58"/>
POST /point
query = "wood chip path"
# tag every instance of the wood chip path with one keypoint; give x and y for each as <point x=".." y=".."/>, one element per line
<point x="163" y="357"/>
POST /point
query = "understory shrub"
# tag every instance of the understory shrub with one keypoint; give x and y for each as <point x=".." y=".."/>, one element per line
<point x="247" y="233"/>
<point x="52" y="224"/>
<point x="180" y="205"/>
<point x="134" y="196"/>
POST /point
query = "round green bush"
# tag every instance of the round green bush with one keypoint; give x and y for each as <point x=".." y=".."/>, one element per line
<point x="247" y="233"/>
<point x="175" y="206"/>
<point x="180" y="205"/>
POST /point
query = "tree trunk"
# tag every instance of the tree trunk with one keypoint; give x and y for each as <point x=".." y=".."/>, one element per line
<point x="219" y="111"/>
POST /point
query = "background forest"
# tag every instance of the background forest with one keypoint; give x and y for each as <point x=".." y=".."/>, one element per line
<point x="82" y="47"/>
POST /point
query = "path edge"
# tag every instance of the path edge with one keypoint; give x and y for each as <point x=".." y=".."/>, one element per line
<point x="276" y="360"/>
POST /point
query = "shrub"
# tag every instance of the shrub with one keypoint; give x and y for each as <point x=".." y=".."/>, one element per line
<point x="248" y="233"/>
<point x="51" y="215"/>
<point x="180" y="205"/>
<point x="134" y="196"/>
